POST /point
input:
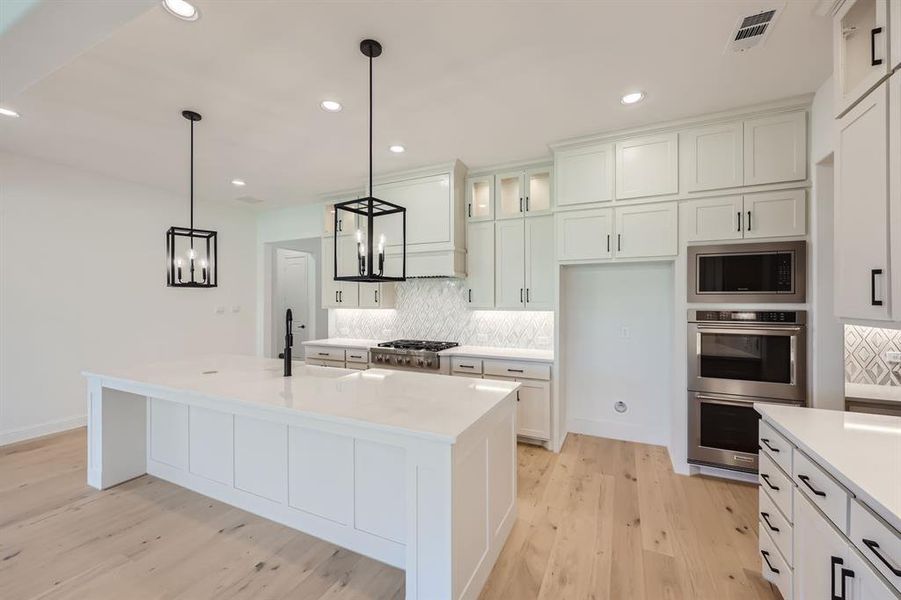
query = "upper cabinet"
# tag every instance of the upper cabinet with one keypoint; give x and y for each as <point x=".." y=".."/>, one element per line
<point x="712" y="157"/>
<point x="647" y="166"/>
<point x="480" y="198"/>
<point x="775" y="148"/>
<point x="752" y="216"/>
<point x="710" y="219"/>
<point x="584" y="175"/>
<point x="523" y="193"/>
<point x="347" y="222"/>
<point x="860" y="36"/>
<point x="646" y="230"/>
<point x="585" y="234"/>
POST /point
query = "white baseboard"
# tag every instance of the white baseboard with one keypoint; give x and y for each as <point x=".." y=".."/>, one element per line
<point x="617" y="431"/>
<point x="12" y="436"/>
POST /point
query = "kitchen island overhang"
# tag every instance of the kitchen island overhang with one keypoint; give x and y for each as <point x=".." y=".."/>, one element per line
<point x="415" y="470"/>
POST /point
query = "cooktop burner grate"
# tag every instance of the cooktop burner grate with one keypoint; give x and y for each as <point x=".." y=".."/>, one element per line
<point x="422" y="345"/>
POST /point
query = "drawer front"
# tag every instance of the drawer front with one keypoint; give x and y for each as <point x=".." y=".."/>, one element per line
<point x="316" y="362"/>
<point x="325" y="353"/>
<point x="772" y="565"/>
<point x="466" y="365"/>
<point x="467" y="375"/>
<point x="776" y="485"/>
<point x="877" y="541"/>
<point x="356" y="366"/>
<point x="777" y="447"/>
<point x="826" y="493"/>
<point x="357" y="356"/>
<point x="509" y="368"/>
<point x="776" y="524"/>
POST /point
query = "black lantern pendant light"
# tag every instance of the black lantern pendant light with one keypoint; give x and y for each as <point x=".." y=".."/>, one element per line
<point x="378" y="219"/>
<point x="191" y="256"/>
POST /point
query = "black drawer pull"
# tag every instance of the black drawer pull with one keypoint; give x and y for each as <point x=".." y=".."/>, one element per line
<point x="467" y="366"/>
<point x="766" y="519"/>
<point x="874" y="548"/>
<point x="323" y="354"/>
<point x="766" y="558"/>
<point x="806" y="480"/>
<point x="766" y="443"/>
<point x="514" y="370"/>
<point x="766" y="478"/>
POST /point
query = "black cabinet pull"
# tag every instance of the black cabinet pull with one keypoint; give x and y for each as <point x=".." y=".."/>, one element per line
<point x="766" y="443"/>
<point x="766" y="478"/>
<point x="520" y="205"/>
<point x="470" y="295"/>
<point x="336" y="296"/>
<point x="514" y="370"/>
<point x="341" y="296"/>
<point x="738" y="227"/>
<point x="874" y="548"/>
<point x="766" y="558"/>
<point x="873" y="274"/>
<point x="749" y="220"/>
<point x="520" y="294"/>
<point x="517" y="395"/>
<point x="836" y="561"/>
<point x="619" y="242"/>
<point x="608" y="242"/>
<point x="527" y="204"/>
<point x="527" y="296"/>
<point x="376" y="296"/>
<point x="766" y="519"/>
<point x="873" y="33"/>
<point x="322" y="353"/>
<point x="470" y="210"/>
<point x="806" y="480"/>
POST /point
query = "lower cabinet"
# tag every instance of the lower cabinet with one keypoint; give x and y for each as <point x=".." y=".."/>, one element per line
<point x="636" y="231"/>
<point x="826" y="565"/>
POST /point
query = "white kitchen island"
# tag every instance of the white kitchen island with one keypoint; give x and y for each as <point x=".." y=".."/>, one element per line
<point x="415" y="470"/>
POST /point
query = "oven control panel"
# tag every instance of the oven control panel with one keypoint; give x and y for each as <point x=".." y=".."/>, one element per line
<point x="749" y="316"/>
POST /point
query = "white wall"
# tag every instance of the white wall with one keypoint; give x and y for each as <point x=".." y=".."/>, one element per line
<point x="82" y="285"/>
<point x="616" y="332"/>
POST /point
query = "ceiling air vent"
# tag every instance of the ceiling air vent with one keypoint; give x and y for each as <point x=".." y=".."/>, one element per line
<point x="752" y="30"/>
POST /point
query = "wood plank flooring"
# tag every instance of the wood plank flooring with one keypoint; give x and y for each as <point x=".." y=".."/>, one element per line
<point x="601" y="520"/>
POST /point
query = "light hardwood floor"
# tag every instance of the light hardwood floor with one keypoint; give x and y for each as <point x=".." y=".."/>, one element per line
<point x="603" y="519"/>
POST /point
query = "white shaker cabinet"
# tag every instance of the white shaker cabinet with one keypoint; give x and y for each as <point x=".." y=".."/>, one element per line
<point x="860" y="34"/>
<point x="775" y="148"/>
<point x="377" y="295"/>
<point x="480" y="198"/>
<point x="826" y="565"/>
<point x="338" y="294"/>
<point x="480" y="265"/>
<point x="712" y="157"/>
<point x="430" y="213"/>
<point x="861" y="209"/>
<point x="524" y="263"/>
<point x="584" y="175"/>
<point x="647" y="166"/>
<point x="646" y="230"/>
<point x="713" y="219"/>
<point x="775" y="214"/>
<point x="533" y="409"/>
<point x="895" y="34"/>
<point x="585" y="234"/>
<point x="523" y="193"/>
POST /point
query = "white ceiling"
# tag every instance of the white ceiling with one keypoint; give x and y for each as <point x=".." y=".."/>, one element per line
<point x="485" y="82"/>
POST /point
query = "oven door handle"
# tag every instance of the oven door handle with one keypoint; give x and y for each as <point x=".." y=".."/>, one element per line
<point x="786" y="330"/>
<point x="714" y="399"/>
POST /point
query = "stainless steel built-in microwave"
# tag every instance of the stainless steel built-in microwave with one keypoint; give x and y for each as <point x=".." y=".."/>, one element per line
<point x="767" y="272"/>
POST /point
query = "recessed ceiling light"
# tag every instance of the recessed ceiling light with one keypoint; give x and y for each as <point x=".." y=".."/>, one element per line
<point x="181" y="9"/>
<point x="632" y="98"/>
<point x="397" y="148"/>
<point x="330" y="106"/>
<point x="8" y="112"/>
<point x="238" y="182"/>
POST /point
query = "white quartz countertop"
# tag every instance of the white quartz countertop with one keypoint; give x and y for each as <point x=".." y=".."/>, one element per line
<point x="426" y="405"/>
<point x="867" y="391"/>
<point x="472" y="351"/>
<point x="862" y="451"/>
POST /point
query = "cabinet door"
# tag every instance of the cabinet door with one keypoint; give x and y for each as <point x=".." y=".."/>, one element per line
<point x="647" y="166"/>
<point x="538" y="189"/>
<point x="861" y="209"/>
<point x="348" y="294"/>
<point x="509" y="194"/>
<point x="584" y="175"/>
<point x="480" y="198"/>
<point x="775" y="214"/>
<point x="584" y="234"/>
<point x="647" y="230"/>
<point x="860" y="33"/>
<point x="540" y="263"/>
<point x="776" y="148"/>
<point x="533" y="409"/>
<point x="509" y="270"/>
<point x="712" y="219"/>
<point x="895" y="34"/>
<point x="347" y="222"/>
<point x="369" y="295"/>
<point x="329" y="286"/>
<point x="713" y="157"/>
<point x="480" y="265"/>
<point x="826" y="563"/>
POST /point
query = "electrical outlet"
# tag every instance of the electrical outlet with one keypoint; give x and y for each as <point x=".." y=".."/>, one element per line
<point x="625" y="333"/>
<point x="893" y="357"/>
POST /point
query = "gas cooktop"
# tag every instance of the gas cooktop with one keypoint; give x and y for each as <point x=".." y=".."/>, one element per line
<point x="418" y="345"/>
<point x="410" y="354"/>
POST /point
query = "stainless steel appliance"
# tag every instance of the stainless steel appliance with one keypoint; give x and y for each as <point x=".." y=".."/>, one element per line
<point x="737" y="358"/>
<point x="767" y="272"/>
<point x="419" y="355"/>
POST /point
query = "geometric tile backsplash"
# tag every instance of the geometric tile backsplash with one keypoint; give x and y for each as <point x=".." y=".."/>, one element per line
<point x="436" y="309"/>
<point x="865" y="349"/>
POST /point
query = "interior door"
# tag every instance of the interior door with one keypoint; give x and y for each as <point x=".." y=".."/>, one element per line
<point x="509" y="271"/>
<point x="861" y="209"/>
<point x="294" y="289"/>
<point x="540" y="263"/>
